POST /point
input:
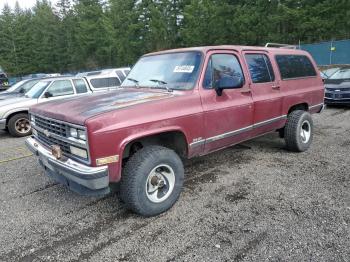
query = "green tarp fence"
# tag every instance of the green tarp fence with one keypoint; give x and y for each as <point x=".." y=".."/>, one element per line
<point x="329" y="53"/>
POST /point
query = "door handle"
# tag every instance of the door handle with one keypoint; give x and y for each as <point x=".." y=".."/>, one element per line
<point x="246" y="91"/>
<point x="276" y="87"/>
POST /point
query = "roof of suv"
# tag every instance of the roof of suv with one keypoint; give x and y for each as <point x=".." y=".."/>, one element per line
<point x="58" y="78"/>
<point x="239" y="48"/>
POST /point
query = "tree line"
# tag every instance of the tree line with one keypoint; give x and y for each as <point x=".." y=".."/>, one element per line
<point x="76" y="35"/>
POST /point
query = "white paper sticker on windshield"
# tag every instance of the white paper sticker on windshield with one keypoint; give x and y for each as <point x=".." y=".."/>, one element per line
<point x="184" y="69"/>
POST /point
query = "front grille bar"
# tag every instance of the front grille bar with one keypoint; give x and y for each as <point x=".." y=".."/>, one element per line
<point x="52" y="131"/>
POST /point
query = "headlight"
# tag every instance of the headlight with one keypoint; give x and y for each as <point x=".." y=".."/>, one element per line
<point x="77" y="134"/>
<point x="73" y="132"/>
<point x="82" y="134"/>
<point x="78" y="152"/>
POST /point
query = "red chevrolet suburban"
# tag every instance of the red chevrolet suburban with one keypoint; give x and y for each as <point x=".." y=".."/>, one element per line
<point x="175" y="104"/>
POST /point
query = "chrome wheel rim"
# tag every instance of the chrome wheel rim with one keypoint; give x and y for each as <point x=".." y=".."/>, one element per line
<point x="160" y="183"/>
<point x="22" y="126"/>
<point x="305" y="131"/>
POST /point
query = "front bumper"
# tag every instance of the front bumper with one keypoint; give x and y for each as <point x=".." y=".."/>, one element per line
<point x="330" y="101"/>
<point x="337" y="97"/>
<point x="2" y="124"/>
<point x="79" y="178"/>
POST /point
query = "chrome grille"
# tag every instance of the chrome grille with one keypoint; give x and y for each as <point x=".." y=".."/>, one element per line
<point x="342" y="89"/>
<point x="52" y="126"/>
<point x="50" y="141"/>
<point x="51" y="132"/>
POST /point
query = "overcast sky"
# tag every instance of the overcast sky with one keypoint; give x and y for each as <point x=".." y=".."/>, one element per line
<point x="22" y="3"/>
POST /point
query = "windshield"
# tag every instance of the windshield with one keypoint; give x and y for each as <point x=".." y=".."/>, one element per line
<point x="22" y="86"/>
<point x="175" y="71"/>
<point x="37" y="89"/>
<point x="330" y="71"/>
<point x="15" y="86"/>
<point x="343" y="73"/>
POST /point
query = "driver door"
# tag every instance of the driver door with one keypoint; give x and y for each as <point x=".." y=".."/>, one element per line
<point x="58" y="89"/>
<point x="228" y="117"/>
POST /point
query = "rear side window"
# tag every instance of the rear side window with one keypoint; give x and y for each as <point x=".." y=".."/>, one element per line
<point x="295" y="66"/>
<point x="260" y="68"/>
<point x="105" y="82"/>
<point x="221" y="66"/>
<point x="80" y="86"/>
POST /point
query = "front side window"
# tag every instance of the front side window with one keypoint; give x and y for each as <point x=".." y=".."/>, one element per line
<point x="295" y="66"/>
<point x="220" y="67"/>
<point x="173" y="70"/>
<point x="60" y="88"/>
<point x="105" y="82"/>
<point x="80" y="86"/>
<point x="260" y="68"/>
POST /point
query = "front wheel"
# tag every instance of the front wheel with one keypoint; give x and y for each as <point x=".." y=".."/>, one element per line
<point x="19" y="125"/>
<point x="152" y="180"/>
<point x="298" y="132"/>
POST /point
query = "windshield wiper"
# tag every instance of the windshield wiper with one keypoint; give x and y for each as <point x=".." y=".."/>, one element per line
<point x="163" y="83"/>
<point x="134" y="80"/>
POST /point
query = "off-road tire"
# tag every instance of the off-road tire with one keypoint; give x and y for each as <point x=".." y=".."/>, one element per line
<point x="292" y="131"/>
<point x="135" y="174"/>
<point x="12" y="122"/>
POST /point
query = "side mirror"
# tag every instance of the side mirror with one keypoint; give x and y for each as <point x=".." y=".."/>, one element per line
<point x="21" y="91"/>
<point x="48" y="95"/>
<point x="228" y="82"/>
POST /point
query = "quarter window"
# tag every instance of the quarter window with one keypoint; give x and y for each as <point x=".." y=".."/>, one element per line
<point x="221" y="66"/>
<point x="61" y="88"/>
<point x="295" y="66"/>
<point x="105" y="82"/>
<point x="120" y="74"/>
<point x="260" y="68"/>
<point x="80" y="86"/>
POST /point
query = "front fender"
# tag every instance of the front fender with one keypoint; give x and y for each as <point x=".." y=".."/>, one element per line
<point x="13" y="111"/>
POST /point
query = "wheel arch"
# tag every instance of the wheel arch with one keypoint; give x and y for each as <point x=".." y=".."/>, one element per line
<point x="12" y="113"/>
<point x="301" y="106"/>
<point x="174" y="139"/>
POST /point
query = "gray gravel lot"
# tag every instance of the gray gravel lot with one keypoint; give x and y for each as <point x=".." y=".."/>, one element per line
<point x="251" y="202"/>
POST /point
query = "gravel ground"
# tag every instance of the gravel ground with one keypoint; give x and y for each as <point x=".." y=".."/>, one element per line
<point x="251" y="202"/>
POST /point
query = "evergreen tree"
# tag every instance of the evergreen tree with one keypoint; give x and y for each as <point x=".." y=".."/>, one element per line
<point x="77" y="35"/>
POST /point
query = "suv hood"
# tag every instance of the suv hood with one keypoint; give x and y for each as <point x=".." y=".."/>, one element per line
<point x="14" y="101"/>
<point x="337" y="83"/>
<point x="77" y="109"/>
<point x="7" y="95"/>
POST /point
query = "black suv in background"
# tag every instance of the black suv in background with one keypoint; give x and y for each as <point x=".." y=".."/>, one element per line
<point x="338" y="87"/>
<point x="4" y="82"/>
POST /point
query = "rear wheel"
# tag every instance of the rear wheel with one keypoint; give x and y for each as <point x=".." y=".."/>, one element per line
<point x="19" y="125"/>
<point x="298" y="132"/>
<point x="152" y="180"/>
